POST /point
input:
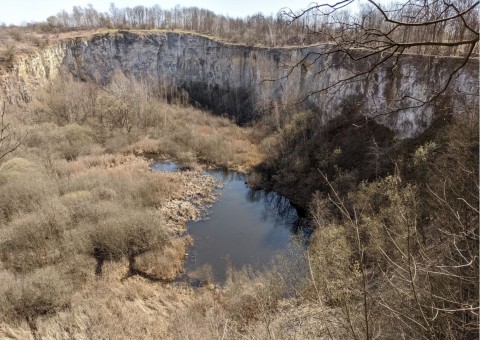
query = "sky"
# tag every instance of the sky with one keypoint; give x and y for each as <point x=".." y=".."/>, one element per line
<point x="23" y="11"/>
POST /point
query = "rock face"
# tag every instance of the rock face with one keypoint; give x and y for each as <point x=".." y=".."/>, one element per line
<point x="31" y="72"/>
<point x="244" y="81"/>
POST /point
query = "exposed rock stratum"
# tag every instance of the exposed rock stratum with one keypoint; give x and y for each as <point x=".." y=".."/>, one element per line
<point x="243" y="81"/>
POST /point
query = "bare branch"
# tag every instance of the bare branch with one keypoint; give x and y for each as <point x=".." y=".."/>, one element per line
<point x="8" y="142"/>
<point x="423" y="23"/>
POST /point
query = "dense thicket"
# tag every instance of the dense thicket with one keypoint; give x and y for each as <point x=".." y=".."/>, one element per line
<point x="396" y="245"/>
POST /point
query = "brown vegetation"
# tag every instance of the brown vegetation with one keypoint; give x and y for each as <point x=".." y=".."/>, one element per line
<point x="69" y="209"/>
<point x="89" y="237"/>
<point x="396" y="241"/>
<point x="129" y="117"/>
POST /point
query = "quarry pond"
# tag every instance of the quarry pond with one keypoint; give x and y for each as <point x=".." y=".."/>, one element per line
<point x="244" y="227"/>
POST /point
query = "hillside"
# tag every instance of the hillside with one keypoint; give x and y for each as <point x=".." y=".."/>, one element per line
<point x="93" y="243"/>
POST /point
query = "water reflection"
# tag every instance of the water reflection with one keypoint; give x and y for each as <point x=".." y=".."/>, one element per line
<point x="164" y="166"/>
<point x="226" y="176"/>
<point x="247" y="227"/>
<point x="281" y="210"/>
<point x="276" y="206"/>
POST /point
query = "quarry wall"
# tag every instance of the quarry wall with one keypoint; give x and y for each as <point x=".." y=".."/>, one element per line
<point x="244" y="81"/>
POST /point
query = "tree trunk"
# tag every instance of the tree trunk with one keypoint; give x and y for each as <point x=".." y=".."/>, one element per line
<point x="131" y="265"/>
<point x="99" y="267"/>
<point x="33" y="327"/>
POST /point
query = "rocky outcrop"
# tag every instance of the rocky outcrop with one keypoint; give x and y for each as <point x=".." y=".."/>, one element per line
<point x="30" y="72"/>
<point x="244" y="81"/>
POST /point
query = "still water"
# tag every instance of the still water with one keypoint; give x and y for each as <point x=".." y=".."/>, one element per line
<point x="243" y="227"/>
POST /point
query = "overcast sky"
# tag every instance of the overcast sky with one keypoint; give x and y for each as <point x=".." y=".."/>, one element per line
<point x="21" y="11"/>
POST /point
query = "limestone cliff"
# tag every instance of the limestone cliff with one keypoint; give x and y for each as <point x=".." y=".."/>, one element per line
<point x="236" y="79"/>
<point x="29" y="72"/>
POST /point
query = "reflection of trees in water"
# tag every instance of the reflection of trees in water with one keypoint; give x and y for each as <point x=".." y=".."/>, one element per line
<point x="276" y="207"/>
<point x="227" y="176"/>
<point x="280" y="210"/>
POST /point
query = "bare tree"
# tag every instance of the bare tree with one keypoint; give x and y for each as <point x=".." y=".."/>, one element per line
<point x="378" y="36"/>
<point x="8" y="140"/>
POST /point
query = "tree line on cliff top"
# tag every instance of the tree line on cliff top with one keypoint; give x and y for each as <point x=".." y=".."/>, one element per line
<point x="433" y="20"/>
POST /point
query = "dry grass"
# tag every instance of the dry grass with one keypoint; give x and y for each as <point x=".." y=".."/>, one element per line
<point x="94" y="189"/>
<point x="16" y="41"/>
<point x="190" y="135"/>
<point x="253" y="306"/>
<point x="54" y="206"/>
<point x="165" y="264"/>
<point x="149" y="126"/>
<point x="72" y="189"/>
<point x="111" y="308"/>
<point x="77" y="194"/>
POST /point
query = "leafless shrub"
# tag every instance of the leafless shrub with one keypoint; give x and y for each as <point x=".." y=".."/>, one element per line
<point x="36" y="239"/>
<point x="24" y="186"/>
<point x="8" y="54"/>
<point x="43" y="292"/>
<point x="203" y="319"/>
<point x="9" y="140"/>
<point x="68" y="142"/>
<point x="128" y="234"/>
<point x="398" y="253"/>
<point x="249" y="295"/>
<point x="166" y="263"/>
